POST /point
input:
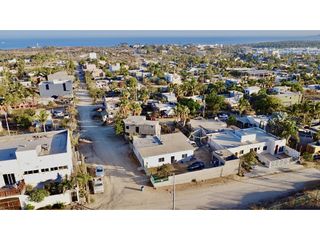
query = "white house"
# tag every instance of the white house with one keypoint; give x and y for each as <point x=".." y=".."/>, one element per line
<point x="57" y="85"/>
<point x="173" y="78"/>
<point x="169" y="97"/>
<point x="270" y="149"/>
<point x="233" y="98"/>
<point x="92" y="56"/>
<point x="114" y="68"/>
<point x="32" y="159"/>
<point x="154" y="151"/>
<point x="251" y="90"/>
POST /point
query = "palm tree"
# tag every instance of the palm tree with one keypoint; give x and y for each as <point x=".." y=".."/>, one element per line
<point x="135" y="108"/>
<point x="244" y="105"/>
<point x="182" y="113"/>
<point x="124" y="107"/>
<point x="144" y="95"/>
<point x="43" y="117"/>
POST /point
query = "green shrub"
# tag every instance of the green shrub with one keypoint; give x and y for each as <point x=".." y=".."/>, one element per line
<point x="37" y="195"/>
<point x="29" y="207"/>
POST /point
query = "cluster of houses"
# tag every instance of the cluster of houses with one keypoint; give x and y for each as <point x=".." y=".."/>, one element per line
<point x="154" y="149"/>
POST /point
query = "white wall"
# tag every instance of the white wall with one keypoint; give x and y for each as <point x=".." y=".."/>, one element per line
<point x="50" y="200"/>
<point x="271" y="145"/>
<point x="230" y="168"/>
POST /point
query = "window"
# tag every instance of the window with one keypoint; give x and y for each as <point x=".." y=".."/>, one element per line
<point x="47" y="86"/>
<point x="63" y="167"/>
<point x="281" y="149"/>
<point x="64" y="87"/>
<point x="184" y="155"/>
<point x="54" y="169"/>
<point x="241" y="152"/>
<point x="127" y="127"/>
<point x="31" y="172"/>
<point x="45" y="170"/>
<point x="161" y="159"/>
<point x="265" y="148"/>
<point x="9" y="179"/>
<point x="137" y="129"/>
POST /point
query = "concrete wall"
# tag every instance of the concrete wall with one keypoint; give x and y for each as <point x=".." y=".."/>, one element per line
<point x="55" y="89"/>
<point x="292" y="153"/>
<point x="275" y="163"/>
<point x="231" y="167"/>
<point x="144" y="129"/>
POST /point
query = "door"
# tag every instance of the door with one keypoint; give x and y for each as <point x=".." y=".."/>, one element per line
<point x="9" y="179"/>
<point x="172" y="159"/>
<point x="276" y="150"/>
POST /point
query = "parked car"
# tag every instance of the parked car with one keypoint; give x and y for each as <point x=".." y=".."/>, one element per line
<point x="58" y="113"/>
<point x="196" y="166"/>
<point x="223" y="116"/>
<point x="99" y="172"/>
<point x="97" y="185"/>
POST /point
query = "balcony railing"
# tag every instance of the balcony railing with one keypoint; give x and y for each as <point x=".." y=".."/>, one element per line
<point x="13" y="190"/>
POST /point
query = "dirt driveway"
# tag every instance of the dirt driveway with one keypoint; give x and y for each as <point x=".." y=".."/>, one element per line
<point x="109" y="150"/>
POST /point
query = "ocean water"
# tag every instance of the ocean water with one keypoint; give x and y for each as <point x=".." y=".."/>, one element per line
<point x="18" y="43"/>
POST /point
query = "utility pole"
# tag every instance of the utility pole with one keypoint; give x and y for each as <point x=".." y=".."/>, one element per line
<point x="6" y="117"/>
<point x="174" y="193"/>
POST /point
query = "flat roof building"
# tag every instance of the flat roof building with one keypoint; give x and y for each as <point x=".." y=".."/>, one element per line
<point x="154" y="151"/>
<point x="240" y="142"/>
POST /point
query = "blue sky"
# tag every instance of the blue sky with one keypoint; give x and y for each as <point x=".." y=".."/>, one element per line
<point x="140" y="33"/>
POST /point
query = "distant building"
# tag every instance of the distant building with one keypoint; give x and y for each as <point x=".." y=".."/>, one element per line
<point x="154" y="151"/>
<point x="92" y="56"/>
<point x="138" y="125"/>
<point x="173" y="78"/>
<point x="259" y="121"/>
<point x="286" y="97"/>
<point x="169" y="97"/>
<point x="251" y="90"/>
<point x="114" y="68"/>
<point x="233" y="98"/>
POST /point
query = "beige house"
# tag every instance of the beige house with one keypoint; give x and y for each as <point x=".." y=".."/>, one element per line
<point x="138" y="125"/>
<point x="287" y="97"/>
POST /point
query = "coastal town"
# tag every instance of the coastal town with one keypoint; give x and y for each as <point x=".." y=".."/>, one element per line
<point x="171" y="126"/>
